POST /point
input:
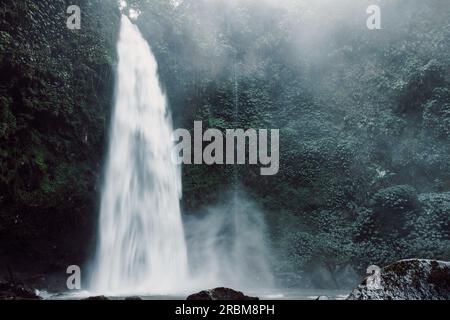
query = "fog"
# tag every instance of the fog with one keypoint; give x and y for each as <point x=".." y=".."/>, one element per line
<point x="228" y="245"/>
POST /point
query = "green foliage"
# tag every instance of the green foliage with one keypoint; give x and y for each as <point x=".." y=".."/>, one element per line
<point x="56" y="87"/>
<point x="395" y="199"/>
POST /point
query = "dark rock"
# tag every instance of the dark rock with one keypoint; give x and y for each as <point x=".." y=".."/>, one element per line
<point x="96" y="298"/>
<point x="413" y="279"/>
<point x="13" y="291"/>
<point x="220" y="294"/>
<point x="133" y="298"/>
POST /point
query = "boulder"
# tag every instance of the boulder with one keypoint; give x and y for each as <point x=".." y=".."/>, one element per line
<point x="220" y="294"/>
<point x="96" y="298"/>
<point x="133" y="298"/>
<point x="414" y="279"/>
<point x="15" y="291"/>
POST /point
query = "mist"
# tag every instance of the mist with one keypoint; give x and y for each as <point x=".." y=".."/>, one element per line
<point x="228" y="245"/>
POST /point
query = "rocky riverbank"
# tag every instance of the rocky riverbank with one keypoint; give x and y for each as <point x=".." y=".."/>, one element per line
<point x="414" y="279"/>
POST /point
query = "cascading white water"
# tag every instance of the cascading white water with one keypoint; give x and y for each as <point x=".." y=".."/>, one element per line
<point x="141" y="247"/>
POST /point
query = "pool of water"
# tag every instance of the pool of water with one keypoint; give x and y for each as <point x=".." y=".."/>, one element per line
<point x="282" y="294"/>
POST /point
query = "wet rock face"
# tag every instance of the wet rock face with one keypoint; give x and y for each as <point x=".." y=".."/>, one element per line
<point x="11" y="291"/>
<point x="220" y="294"/>
<point x="408" y="280"/>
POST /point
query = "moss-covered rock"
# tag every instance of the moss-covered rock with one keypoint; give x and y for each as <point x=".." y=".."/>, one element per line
<point x="408" y="280"/>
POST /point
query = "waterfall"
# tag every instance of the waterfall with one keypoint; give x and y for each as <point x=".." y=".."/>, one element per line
<point x="141" y="248"/>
